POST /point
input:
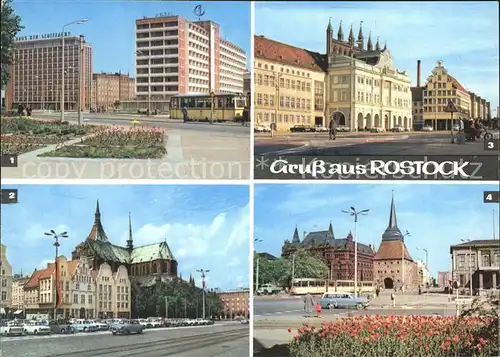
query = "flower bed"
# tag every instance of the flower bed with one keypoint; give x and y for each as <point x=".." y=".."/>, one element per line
<point x="21" y="134"/>
<point x="117" y="142"/>
<point x="398" y="336"/>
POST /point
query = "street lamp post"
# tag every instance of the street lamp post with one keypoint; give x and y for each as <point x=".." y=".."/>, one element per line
<point x="203" y="275"/>
<point x="470" y="265"/>
<point x="76" y="22"/>
<point x="256" y="240"/>
<point x="143" y="53"/>
<point x="353" y="83"/>
<point x="277" y="100"/>
<point x="355" y="214"/>
<point x="426" y="265"/>
<point x="56" y="244"/>
<point x="80" y="80"/>
<point x="212" y="106"/>
<point x="403" y="261"/>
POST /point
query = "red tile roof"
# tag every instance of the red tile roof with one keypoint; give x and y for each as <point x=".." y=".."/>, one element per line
<point x="457" y="84"/>
<point x="271" y="50"/>
<point x="72" y="264"/>
<point x="39" y="274"/>
<point x="391" y="250"/>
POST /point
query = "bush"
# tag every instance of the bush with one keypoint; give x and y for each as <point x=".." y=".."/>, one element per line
<point x="398" y="336"/>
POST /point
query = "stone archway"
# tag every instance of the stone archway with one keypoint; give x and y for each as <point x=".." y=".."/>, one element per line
<point x="378" y="124"/>
<point x="369" y="123"/>
<point x="339" y="118"/>
<point x="360" y="123"/>
<point x="82" y="313"/>
<point x="400" y="121"/>
<point x="405" y="123"/>
<point x="388" y="283"/>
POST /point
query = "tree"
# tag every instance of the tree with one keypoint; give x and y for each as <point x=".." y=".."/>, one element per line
<point x="11" y="25"/>
<point x="280" y="271"/>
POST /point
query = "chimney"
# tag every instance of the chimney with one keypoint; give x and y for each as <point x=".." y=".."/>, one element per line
<point x="418" y="74"/>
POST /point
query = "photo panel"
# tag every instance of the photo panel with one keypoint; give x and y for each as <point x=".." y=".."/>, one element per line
<point x="82" y="265"/>
<point x="341" y="94"/>
<point x="158" y="92"/>
<point x="387" y="270"/>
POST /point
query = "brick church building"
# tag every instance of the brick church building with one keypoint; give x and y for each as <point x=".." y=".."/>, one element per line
<point x="148" y="264"/>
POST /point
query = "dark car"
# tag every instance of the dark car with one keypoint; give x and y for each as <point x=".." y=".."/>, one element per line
<point x="127" y="327"/>
<point x="61" y="327"/>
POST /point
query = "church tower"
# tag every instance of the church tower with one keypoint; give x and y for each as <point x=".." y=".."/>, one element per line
<point x="392" y="265"/>
<point x="329" y="36"/>
<point x="130" y="240"/>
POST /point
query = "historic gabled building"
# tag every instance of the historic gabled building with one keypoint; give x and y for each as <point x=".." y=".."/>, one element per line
<point x="393" y="266"/>
<point x="147" y="264"/>
<point x="337" y="253"/>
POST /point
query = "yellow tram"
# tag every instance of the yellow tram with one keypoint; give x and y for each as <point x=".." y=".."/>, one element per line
<point x="216" y="107"/>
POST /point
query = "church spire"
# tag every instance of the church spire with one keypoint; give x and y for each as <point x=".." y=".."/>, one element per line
<point x="296" y="238"/>
<point x="350" y="39"/>
<point x="97" y="231"/>
<point x="130" y="240"/>
<point x="377" y="45"/>
<point x="340" y="33"/>
<point x="385" y="46"/>
<point x="361" y="38"/>
<point x="370" y="44"/>
<point x="329" y="36"/>
<point x="330" y="231"/>
<point x="329" y="27"/>
<point x="392" y="231"/>
<point x="97" y="212"/>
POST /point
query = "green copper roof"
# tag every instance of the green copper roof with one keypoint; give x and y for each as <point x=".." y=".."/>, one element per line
<point x="151" y="252"/>
<point x="109" y="252"/>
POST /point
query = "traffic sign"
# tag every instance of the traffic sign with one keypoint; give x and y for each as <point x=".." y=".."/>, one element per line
<point x="451" y="107"/>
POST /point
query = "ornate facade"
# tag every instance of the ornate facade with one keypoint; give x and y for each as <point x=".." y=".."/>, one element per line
<point x="146" y="263"/>
<point x="5" y="281"/>
<point x="337" y="253"/>
<point x="393" y="266"/>
<point x="357" y="85"/>
<point x="113" y="295"/>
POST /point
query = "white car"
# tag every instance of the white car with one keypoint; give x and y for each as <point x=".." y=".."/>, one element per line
<point x="155" y="322"/>
<point x="7" y="329"/>
<point x="144" y="323"/>
<point x="456" y="127"/>
<point x="376" y="129"/>
<point x="36" y="328"/>
<point x="100" y="325"/>
<point x="427" y="128"/>
<point x="321" y="129"/>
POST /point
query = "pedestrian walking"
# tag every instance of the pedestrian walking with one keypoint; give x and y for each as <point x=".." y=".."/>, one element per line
<point x="377" y="291"/>
<point x="318" y="309"/>
<point x="333" y="129"/>
<point x="393" y="299"/>
<point x="308" y="303"/>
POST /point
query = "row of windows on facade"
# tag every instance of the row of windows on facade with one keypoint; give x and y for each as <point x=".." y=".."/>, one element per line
<point x="283" y="70"/>
<point x="157" y="43"/>
<point x="234" y="73"/>
<point x="157" y="25"/>
<point x="157" y="34"/>
<point x="195" y="46"/>
<point x="376" y="83"/>
<point x="285" y="102"/>
<point x="457" y="101"/>
<point x="486" y="260"/>
<point x="198" y="56"/>
<point x="49" y="52"/>
<point x="298" y="85"/>
<point x="435" y="109"/>
<point x="283" y="118"/>
<point x="240" y="61"/>
<point x="165" y="52"/>
<point x="204" y="65"/>
<point x="159" y="89"/>
<point x="234" y="67"/>
<point x="370" y="98"/>
<point x="153" y="61"/>
<point x="158" y="79"/>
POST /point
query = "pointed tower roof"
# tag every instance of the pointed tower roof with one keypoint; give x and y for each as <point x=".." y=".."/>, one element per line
<point x="329" y="27"/>
<point x="377" y="45"/>
<point x="351" y="36"/>
<point x="369" y="46"/>
<point x="130" y="240"/>
<point x="340" y="33"/>
<point x="360" y="33"/>
<point x="385" y="46"/>
<point x="296" y="237"/>
<point x="392" y="231"/>
<point x="97" y="232"/>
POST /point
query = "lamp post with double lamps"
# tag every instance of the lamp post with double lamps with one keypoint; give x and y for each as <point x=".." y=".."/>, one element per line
<point x="56" y="244"/>
<point x="356" y="214"/>
<point x="144" y="53"/>
<point x="76" y="22"/>
<point x="203" y="276"/>
<point x="470" y="263"/>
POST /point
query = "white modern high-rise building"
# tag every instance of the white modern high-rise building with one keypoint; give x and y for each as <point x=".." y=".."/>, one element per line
<point x="177" y="56"/>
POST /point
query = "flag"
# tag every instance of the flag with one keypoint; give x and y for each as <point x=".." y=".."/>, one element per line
<point x="59" y="294"/>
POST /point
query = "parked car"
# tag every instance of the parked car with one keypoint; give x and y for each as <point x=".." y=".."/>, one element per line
<point x="456" y="127"/>
<point x="342" y="301"/>
<point x="36" y="328"/>
<point x="85" y="326"/>
<point x="61" y="327"/>
<point x="427" y="128"/>
<point x="268" y="289"/>
<point x="156" y="322"/>
<point x="343" y="129"/>
<point x="298" y="129"/>
<point x="321" y="129"/>
<point x="377" y="129"/>
<point x="398" y="129"/>
<point x="11" y="329"/>
<point x="101" y="325"/>
<point x="144" y="323"/>
<point x="127" y="327"/>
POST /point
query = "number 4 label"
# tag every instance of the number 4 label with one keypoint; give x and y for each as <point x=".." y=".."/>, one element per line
<point x="491" y="197"/>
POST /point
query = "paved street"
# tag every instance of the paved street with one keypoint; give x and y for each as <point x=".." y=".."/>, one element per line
<point x="194" y="151"/>
<point x="228" y="340"/>
<point x="417" y="143"/>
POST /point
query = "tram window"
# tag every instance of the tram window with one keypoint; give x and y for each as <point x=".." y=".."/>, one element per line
<point x="220" y="102"/>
